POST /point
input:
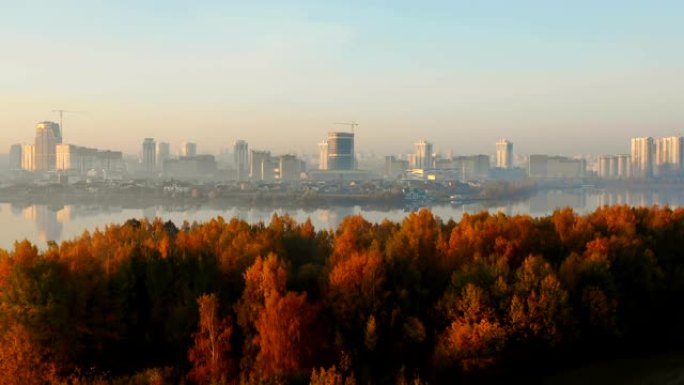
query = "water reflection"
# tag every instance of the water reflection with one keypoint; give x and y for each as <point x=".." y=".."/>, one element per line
<point x="330" y="218"/>
<point x="670" y="197"/>
<point x="43" y="223"/>
<point x="45" y="219"/>
<point x="541" y="204"/>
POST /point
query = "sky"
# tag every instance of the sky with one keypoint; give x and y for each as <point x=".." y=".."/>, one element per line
<point x="557" y="77"/>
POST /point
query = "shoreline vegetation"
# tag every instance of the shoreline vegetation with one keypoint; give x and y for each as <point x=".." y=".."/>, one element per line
<point x="486" y="299"/>
<point x="263" y="194"/>
<point x="145" y="194"/>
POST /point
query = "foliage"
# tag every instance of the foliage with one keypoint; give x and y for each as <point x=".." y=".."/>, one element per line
<point x="416" y="301"/>
<point x="210" y="352"/>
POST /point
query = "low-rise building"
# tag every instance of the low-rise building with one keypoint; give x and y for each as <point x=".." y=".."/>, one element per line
<point x="190" y="166"/>
<point x="546" y="166"/>
<point x="77" y="160"/>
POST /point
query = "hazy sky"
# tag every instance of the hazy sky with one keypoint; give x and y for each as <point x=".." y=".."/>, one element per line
<point x="564" y="77"/>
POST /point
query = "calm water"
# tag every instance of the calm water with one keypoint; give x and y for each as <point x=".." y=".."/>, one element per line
<point x="42" y="223"/>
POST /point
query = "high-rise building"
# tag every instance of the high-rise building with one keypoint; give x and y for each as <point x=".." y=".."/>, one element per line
<point x="412" y="161"/>
<point x="163" y="154"/>
<point x="668" y="156"/>
<point x="423" y="155"/>
<point x="149" y="158"/>
<point x="289" y="168"/>
<point x="341" y="151"/>
<point x="394" y="167"/>
<point x="15" y="157"/>
<point x="607" y="166"/>
<point x="241" y="154"/>
<point x="28" y="157"/>
<point x="323" y="156"/>
<point x="504" y="154"/>
<point x="624" y="166"/>
<point x="262" y="166"/>
<point x="188" y="149"/>
<point x="642" y="152"/>
<point x="48" y="136"/>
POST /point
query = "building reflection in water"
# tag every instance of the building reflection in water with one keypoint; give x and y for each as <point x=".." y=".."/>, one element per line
<point x="548" y="201"/>
<point x="45" y="218"/>
<point x="66" y="214"/>
<point x="17" y="210"/>
<point x="507" y="210"/>
<point x="641" y="198"/>
<point x="330" y="218"/>
<point x="149" y="212"/>
<point x="56" y="222"/>
<point x="240" y="212"/>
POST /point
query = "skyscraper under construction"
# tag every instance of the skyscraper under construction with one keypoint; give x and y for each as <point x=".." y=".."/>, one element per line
<point x="48" y="136"/>
<point x="341" y="151"/>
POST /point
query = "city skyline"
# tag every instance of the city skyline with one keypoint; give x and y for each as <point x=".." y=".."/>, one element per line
<point x="648" y="157"/>
<point x="533" y="145"/>
<point x="551" y="77"/>
<point x="664" y="153"/>
<point x="341" y="192"/>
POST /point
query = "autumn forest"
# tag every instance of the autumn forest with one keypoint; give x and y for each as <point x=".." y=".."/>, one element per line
<point x="417" y="302"/>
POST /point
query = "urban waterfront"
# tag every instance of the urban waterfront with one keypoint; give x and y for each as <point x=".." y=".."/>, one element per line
<point x="40" y="223"/>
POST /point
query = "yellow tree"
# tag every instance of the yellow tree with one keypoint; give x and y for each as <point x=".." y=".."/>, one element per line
<point x="331" y="376"/>
<point x="475" y="337"/>
<point x="539" y="307"/>
<point x="23" y="362"/>
<point x="265" y="277"/>
<point x="355" y="286"/>
<point x="285" y="336"/>
<point x="210" y="353"/>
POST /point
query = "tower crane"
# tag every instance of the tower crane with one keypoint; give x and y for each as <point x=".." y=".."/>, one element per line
<point x="61" y="114"/>
<point x="353" y="125"/>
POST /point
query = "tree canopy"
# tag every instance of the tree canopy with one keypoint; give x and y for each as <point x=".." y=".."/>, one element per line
<point x="226" y="302"/>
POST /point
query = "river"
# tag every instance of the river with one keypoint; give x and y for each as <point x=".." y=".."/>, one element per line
<point x="42" y="223"/>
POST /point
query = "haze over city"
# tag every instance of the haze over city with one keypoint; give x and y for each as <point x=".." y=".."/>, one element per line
<point x="341" y="192"/>
<point x="577" y="77"/>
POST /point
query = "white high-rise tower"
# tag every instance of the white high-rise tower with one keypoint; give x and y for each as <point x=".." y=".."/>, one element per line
<point x="668" y="155"/>
<point x="163" y="154"/>
<point x="423" y="155"/>
<point x="149" y="158"/>
<point x="642" y="152"/>
<point x="504" y="154"/>
<point x="48" y="136"/>
<point x="323" y="155"/>
<point x="241" y="154"/>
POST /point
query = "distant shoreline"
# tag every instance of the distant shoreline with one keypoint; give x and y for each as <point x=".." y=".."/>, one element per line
<point x="147" y="197"/>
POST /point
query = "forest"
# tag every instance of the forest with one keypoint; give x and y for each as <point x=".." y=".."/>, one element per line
<point x="424" y="301"/>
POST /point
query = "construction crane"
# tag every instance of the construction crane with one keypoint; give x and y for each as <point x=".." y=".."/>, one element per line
<point x="350" y="124"/>
<point x="61" y="113"/>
